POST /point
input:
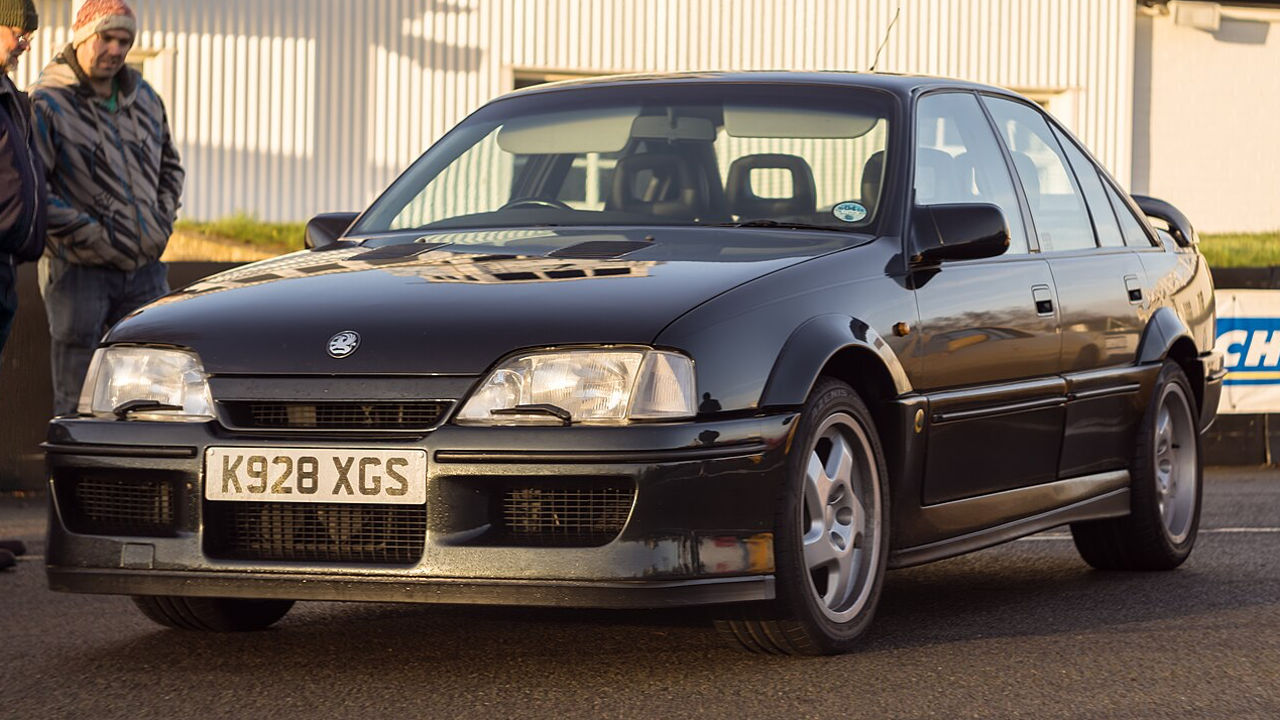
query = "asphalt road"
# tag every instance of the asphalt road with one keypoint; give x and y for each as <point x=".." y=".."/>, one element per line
<point x="1022" y="630"/>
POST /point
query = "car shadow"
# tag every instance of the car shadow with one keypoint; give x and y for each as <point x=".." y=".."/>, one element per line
<point x="989" y="595"/>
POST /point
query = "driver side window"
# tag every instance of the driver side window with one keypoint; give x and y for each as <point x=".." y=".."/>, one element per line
<point x="958" y="160"/>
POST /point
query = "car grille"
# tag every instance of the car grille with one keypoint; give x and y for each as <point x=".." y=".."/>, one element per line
<point x="585" y="515"/>
<point x="357" y="415"/>
<point x="316" y="532"/>
<point x="118" y="505"/>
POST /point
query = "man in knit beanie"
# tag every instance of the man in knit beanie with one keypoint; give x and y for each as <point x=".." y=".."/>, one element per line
<point x="18" y="16"/>
<point x="22" y="190"/>
<point x="114" y="187"/>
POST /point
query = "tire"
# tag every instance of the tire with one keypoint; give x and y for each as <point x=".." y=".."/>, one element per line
<point x="1165" y="488"/>
<point x="211" y="614"/>
<point x="831" y="537"/>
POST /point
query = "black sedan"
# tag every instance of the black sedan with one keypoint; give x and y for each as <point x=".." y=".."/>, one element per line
<point x="736" y="339"/>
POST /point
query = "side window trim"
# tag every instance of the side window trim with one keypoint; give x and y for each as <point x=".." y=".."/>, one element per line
<point x="1064" y="137"/>
<point x="1033" y="245"/>
<point x="1133" y="209"/>
<point x="1071" y="175"/>
<point x="1059" y="138"/>
<point x="1109" y="183"/>
<point x="1033" y="234"/>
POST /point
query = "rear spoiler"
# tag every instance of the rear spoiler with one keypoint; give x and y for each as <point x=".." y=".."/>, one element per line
<point x="1179" y="226"/>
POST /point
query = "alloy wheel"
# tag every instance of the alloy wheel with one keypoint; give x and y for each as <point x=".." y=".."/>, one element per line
<point x="841" y="517"/>
<point x="1175" y="463"/>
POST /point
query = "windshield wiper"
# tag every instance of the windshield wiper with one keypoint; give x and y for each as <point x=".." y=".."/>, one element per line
<point x="128" y="407"/>
<point x="554" y="411"/>
<point x="789" y="225"/>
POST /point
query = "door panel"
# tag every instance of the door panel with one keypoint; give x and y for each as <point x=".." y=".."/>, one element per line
<point x="993" y="438"/>
<point x="981" y="327"/>
<point x="1103" y="413"/>
<point x="989" y="349"/>
<point x="1103" y="307"/>
<point x="980" y="324"/>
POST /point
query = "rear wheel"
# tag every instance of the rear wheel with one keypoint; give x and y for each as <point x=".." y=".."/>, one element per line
<point x="1165" y="488"/>
<point x="212" y="614"/>
<point x="831" y="534"/>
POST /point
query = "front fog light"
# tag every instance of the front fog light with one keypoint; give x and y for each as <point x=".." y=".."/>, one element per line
<point x="144" y="383"/>
<point x="603" y="387"/>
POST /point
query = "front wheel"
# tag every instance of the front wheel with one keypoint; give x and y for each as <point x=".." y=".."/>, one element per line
<point x="212" y="614"/>
<point x="1165" y="488"/>
<point x="831" y="536"/>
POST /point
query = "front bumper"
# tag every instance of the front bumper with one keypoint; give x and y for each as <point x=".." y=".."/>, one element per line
<point x="698" y="531"/>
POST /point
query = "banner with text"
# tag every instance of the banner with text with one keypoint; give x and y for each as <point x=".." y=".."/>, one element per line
<point x="1248" y="334"/>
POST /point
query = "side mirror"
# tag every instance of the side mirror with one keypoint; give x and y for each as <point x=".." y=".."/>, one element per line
<point x="1179" y="226"/>
<point x="962" y="231"/>
<point x="324" y="229"/>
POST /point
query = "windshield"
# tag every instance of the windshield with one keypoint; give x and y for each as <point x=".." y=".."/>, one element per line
<point x="682" y="154"/>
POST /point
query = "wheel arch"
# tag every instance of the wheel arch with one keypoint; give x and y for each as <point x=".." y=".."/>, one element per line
<point x="839" y="346"/>
<point x="1167" y="337"/>
<point x="1184" y="353"/>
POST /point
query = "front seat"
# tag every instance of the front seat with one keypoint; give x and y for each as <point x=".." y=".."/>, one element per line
<point x="657" y="183"/>
<point x="745" y="203"/>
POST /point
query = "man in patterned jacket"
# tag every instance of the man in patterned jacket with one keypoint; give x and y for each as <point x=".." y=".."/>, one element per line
<point x="114" y="188"/>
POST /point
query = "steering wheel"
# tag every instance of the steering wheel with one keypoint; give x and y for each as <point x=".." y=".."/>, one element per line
<point x="535" y="203"/>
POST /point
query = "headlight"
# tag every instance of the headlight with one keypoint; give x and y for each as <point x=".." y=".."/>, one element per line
<point x="604" y="387"/>
<point x="146" y="384"/>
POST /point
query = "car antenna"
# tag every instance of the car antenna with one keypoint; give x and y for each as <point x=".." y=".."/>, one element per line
<point x="887" y="30"/>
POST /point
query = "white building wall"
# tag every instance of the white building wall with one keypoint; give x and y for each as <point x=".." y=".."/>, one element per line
<point x="285" y="108"/>
<point x="1206" y="110"/>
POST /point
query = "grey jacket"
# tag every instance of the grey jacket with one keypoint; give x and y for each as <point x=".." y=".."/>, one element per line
<point x="114" y="177"/>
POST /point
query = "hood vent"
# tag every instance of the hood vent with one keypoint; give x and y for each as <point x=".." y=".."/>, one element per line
<point x="393" y="253"/>
<point x="600" y="249"/>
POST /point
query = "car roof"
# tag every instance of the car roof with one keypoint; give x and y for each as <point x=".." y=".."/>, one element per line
<point x="901" y="85"/>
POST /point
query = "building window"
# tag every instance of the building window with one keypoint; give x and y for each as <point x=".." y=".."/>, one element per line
<point x="158" y="68"/>
<point x="1059" y="102"/>
<point x="528" y="77"/>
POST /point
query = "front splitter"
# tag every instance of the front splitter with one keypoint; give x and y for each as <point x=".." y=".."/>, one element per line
<point x="636" y="594"/>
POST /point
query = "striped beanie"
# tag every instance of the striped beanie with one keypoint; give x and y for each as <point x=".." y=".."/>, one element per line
<point x="98" y="16"/>
<point x="19" y="14"/>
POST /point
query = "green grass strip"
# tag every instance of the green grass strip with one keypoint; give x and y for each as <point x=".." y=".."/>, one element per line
<point x="284" y="237"/>
<point x="1241" y="249"/>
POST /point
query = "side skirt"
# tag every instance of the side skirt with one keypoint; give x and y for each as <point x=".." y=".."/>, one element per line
<point x="1114" y="502"/>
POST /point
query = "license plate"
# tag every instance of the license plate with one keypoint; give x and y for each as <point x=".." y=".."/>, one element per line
<point x="314" y="475"/>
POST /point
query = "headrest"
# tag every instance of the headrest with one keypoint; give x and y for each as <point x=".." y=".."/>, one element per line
<point x="936" y="178"/>
<point x="1029" y="174"/>
<point x="745" y="203"/>
<point x="973" y="183"/>
<point x="656" y="183"/>
<point x="872" y="177"/>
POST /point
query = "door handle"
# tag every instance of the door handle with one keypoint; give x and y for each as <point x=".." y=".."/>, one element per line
<point x="1134" y="287"/>
<point x="1043" y="297"/>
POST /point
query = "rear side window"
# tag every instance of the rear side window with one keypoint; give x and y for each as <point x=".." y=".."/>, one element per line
<point x="958" y="160"/>
<point x="1057" y="207"/>
<point x="1130" y="225"/>
<point x="1104" y="217"/>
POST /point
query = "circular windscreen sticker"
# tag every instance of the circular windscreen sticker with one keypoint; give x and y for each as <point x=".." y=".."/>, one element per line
<point x="849" y="211"/>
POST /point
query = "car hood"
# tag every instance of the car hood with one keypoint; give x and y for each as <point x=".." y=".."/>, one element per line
<point x="454" y="303"/>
